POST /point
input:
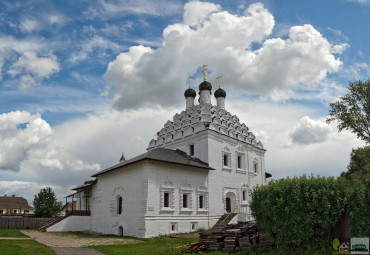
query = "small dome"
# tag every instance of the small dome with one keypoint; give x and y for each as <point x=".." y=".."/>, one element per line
<point x="205" y="85"/>
<point x="220" y="93"/>
<point x="190" y="93"/>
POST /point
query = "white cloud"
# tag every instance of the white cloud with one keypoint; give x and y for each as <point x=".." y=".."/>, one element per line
<point x="108" y="9"/>
<point x="223" y="41"/>
<point x="20" y="132"/>
<point x="28" y="25"/>
<point x="32" y="68"/>
<point x="310" y="131"/>
<point x="1" y="68"/>
<point x="360" y="1"/>
<point x="339" y="48"/>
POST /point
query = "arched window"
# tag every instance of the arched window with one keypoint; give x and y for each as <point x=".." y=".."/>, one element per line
<point x="119" y="205"/>
<point x="255" y="166"/>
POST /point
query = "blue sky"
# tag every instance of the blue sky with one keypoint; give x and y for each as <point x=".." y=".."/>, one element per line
<point x="82" y="81"/>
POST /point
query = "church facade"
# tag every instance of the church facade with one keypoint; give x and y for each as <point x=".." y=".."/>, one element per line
<point x="202" y="164"/>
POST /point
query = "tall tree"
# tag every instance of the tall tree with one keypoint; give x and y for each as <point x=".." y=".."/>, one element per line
<point x="359" y="166"/>
<point x="46" y="203"/>
<point x="352" y="111"/>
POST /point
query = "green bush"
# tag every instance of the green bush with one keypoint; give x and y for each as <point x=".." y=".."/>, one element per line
<point x="299" y="213"/>
<point x="358" y="210"/>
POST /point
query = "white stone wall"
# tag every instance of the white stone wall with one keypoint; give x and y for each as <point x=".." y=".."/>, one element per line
<point x="176" y="180"/>
<point x="129" y="182"/>
<point x="71" y="223"/>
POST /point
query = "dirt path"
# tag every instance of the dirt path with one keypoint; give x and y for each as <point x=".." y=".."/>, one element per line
<point x="53" y="239"/>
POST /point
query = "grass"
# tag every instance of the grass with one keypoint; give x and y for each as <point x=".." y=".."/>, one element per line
<point x="24" y="247"/>
<point x="152" y="246"/>
<point x="11" y="233"/>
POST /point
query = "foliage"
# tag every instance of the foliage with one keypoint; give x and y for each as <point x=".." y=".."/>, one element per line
<point x="24" y="247"/>
<point x="46" y="203"/>
<point x="352" y="111"/>
<point x="298" y="213"/>
<point x="11" y="233"/>
<point x="358" y="210"/>
<point x="359" y="167"/>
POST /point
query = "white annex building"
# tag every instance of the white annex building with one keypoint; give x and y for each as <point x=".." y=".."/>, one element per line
<point x="202" y="164"/>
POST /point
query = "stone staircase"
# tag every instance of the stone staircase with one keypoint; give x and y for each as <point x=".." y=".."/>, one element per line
<point x="223" y="221"/>
<point x="52" y="222"/>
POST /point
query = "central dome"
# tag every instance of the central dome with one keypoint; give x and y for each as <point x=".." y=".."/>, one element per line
<point x="205" y="85"/>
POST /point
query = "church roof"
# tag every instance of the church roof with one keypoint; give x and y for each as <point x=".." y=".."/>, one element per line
<point x="14" y="202"/>
<point x="204" y="117"/>
<point x="163" y="155"/>
<point x="86" y="184"/>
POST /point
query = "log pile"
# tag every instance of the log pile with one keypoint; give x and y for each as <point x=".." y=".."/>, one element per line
<point x="231" y="237"/>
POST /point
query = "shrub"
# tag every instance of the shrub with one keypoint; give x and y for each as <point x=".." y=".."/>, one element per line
<point x="298" y="213"/>
<point x="358" y="210"/>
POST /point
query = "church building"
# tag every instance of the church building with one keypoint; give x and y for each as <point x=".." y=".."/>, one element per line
<point x="201" y="165"/>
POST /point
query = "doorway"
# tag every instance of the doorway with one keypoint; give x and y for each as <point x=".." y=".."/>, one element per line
<point x="228" y="205"/>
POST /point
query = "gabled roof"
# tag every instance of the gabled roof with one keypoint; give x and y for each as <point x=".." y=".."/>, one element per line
<point x="13" y="202"/>
<point x="163" y="155"/>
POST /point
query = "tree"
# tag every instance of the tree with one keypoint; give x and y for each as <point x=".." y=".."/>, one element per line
<point x="46" y="203"/>
<point x="359" y="166"/>
<point x="352" y="111"/>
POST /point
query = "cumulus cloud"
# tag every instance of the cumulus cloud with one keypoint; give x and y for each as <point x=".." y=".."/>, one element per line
<point x="28" y="25"/>
<point x="20" y="132"/>
<point x="33" y="68"/>
<point x="224" y="42"/>
<point x="27" y="137"/>
<point x="310" y="131"/>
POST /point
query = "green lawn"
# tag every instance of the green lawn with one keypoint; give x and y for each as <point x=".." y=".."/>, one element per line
<point x="153" y="246"/>
<point x="11" y="233"/>
<point x="24" y="247"/>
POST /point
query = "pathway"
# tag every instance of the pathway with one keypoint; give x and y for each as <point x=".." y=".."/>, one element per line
<point x="70" y="244"/>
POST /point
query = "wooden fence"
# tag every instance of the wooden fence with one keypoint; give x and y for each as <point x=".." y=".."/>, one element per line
<point x="23" y="223"/>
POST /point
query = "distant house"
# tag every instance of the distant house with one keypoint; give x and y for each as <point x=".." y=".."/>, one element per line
<point x="14" y="206"/>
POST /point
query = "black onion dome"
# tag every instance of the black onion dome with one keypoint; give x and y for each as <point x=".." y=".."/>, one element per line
<point x="190" y="93"/>
<point x="220" y="93"/>
<point x="205" y="85"/>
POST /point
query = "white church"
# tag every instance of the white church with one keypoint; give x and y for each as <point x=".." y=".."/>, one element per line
<point x="201" y="165"/>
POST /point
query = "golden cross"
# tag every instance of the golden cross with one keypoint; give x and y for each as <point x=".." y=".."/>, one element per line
<point x="189" y="78"/>
<point x="219" y="80"/>
<point x="155" y="136"/>
<point x="204" y="69"/>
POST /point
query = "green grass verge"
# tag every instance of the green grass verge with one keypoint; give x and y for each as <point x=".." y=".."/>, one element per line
<point x="153" y="246"/>
<point x="24" y="247"/>
<point x="11" y="233"/>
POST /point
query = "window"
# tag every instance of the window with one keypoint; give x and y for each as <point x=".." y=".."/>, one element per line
<point x="226" y="160"/>
<point x="173" y="227"/>
<point x="1" y="211"/>
<point x="14" y="211"/>
<point x="244" y="195"/>
<point x="26" y="211"/>
<point x="239" y="161"/>
<point x="191" y="150"/>
<point x="255" y="163"/>
<point x="184" y="200"/>
<point x="166" y="199"/>
<point x="193" y="226"/>
<point x="119" y="205"/>
<point x="201" y="201"/>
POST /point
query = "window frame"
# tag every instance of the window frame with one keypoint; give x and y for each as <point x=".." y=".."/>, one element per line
<point x="202" y="191"/>
<point x="226" y="164"/>
<point x="119" y="205"/>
